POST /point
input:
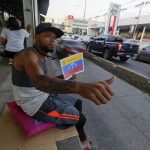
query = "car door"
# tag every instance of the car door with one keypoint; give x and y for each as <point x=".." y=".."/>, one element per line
<point x="97" y="45"/>
<point x="145" y="54"/>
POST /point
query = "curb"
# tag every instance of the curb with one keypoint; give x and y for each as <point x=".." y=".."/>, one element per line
<point x="138" y="80"/>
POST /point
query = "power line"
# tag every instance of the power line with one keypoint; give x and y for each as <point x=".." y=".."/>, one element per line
<point x="129" y="2"/>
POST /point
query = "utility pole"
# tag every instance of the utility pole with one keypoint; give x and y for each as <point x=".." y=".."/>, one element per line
<point x="138" y="18"/>
<point x="88" y="31"/>
<point x="84" y="16"/>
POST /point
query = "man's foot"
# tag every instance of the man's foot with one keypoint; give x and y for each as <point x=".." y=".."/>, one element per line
<point x="86" y="145"/>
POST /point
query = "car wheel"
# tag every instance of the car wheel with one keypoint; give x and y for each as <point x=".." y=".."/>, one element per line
<point x="123" y="59"/>
<point x="106" y="54"/>
<point x="138" y="58"/>
<point x="135" y="57"/>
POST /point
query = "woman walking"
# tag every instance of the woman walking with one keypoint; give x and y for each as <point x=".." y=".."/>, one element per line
<point x="13" y="37"/>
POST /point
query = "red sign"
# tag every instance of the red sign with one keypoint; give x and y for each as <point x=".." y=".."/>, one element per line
<point x="70" y="17"/>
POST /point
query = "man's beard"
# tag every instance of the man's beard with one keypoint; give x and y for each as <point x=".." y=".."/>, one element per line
<point x="46" y="49"/>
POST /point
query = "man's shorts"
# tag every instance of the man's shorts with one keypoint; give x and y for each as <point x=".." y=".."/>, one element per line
<point x="59" y="109"/>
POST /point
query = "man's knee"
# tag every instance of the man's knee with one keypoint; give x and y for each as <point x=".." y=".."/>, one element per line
<point x="70" y="115"/>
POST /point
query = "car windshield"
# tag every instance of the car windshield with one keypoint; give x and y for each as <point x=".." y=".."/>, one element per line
<point x="115" y="39"/>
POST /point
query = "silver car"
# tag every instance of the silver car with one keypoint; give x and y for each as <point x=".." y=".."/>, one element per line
<point x="144" y="55"/>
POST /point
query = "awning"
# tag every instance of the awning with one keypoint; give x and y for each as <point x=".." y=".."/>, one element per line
<point x="15" y="7"/>
<point x="43" y="6"/>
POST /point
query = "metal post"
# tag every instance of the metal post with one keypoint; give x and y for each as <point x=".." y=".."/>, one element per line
<point x="107" y="23"/>
<point x="138" y="18"/>
<point x="28" y="12"/>
<point x="105" y="15"/>
<point x="142" y="34"/>
<point x="96" y="33"/>
<point x="88" y="31"/>
<point x="84" y="16"/>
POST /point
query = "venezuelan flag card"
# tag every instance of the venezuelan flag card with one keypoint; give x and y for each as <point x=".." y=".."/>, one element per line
<point x="71" y="65"/>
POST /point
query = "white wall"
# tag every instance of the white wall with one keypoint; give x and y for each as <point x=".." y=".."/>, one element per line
<point x="130" y="21"/>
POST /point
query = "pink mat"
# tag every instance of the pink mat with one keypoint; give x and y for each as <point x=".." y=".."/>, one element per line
<point x="30" y="125"/>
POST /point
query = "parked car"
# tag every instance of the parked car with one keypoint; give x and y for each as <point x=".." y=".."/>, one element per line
<point x="86" y="39"/>
<point x="113" y="46"/>
<point x="65" y="47"/>
<point x="75" y="37"/>
<point x="144" y="55"/>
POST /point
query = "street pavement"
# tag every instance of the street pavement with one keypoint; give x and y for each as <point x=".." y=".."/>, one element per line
<point x="122" y="124"/>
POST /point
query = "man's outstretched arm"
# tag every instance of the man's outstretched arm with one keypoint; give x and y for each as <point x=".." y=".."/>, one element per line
<point x="99" y="92"/>
<point x="62" y="77"/>
<point x="43" y="82"/>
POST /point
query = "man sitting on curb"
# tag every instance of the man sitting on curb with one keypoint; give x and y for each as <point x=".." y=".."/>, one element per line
<point x="46" y="98"/>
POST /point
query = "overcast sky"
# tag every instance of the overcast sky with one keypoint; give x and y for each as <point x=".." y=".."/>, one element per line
<point x="59" y="9"/>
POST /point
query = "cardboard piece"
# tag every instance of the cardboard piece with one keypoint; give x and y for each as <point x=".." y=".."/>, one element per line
<point x="12" y="136"/>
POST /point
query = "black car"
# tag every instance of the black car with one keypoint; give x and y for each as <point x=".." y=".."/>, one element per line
<point x="112" y="46"/>
<point x="144" y="55"/>
<point x="65" y="47"/>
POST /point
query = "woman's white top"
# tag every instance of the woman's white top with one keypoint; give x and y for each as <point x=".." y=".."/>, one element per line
<point x="15" y="39"/>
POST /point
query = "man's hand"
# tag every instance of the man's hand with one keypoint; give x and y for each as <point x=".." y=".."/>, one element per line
<point x="99" y="93"/>
<point x="29" y="28"/>
<point x="3" y="41"/>
<point x="60" y="76"/>
<point x="111" y="80"/>
<point x="73" y="77"/>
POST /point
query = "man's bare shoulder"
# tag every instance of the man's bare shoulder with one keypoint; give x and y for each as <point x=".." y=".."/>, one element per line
<point x="24" y="57"/>
<point x="28" y="52"/>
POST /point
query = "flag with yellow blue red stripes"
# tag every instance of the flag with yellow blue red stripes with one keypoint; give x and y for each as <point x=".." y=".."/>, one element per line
<point x="71" y="65"/>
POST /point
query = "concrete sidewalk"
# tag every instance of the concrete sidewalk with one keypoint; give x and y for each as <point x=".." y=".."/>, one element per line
<point x="5" y="82"/>
<point x="123" y="124"/>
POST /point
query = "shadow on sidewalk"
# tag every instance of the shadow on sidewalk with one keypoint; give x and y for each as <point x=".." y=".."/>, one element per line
<point x="5" y="82"/>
